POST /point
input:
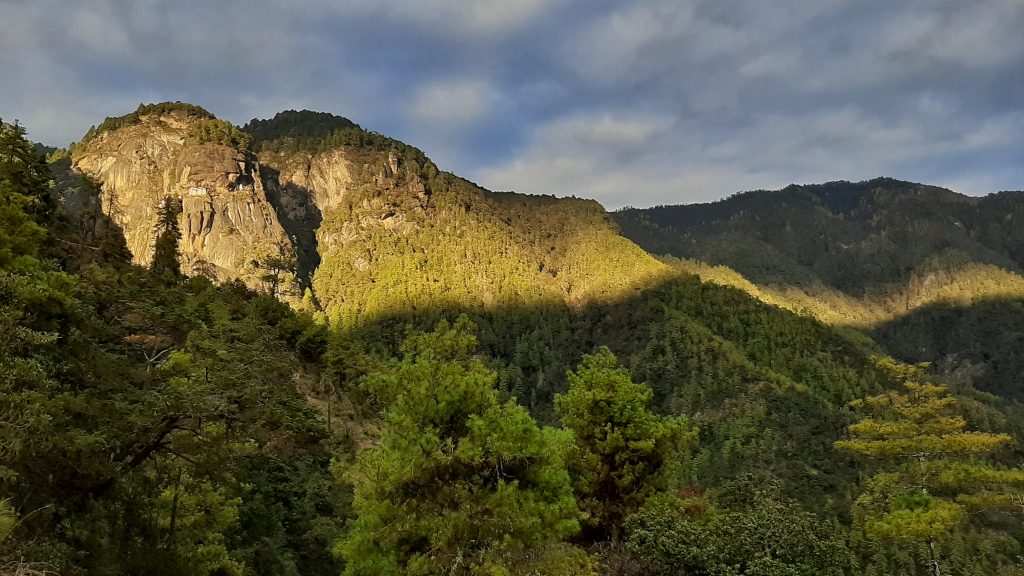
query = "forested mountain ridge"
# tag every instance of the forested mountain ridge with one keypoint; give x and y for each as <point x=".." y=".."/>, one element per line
<point x="364" y="224"/>
<point x="853" y="237"/>
<point x="392" y="232"/>
<point x="925" y="270"/>
<point x="570" y="423"/>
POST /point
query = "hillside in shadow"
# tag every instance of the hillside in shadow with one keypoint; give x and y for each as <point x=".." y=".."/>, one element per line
<point x="867" y="255"/>
<point x="768" y="388"/>
<point x="982" y="342"/>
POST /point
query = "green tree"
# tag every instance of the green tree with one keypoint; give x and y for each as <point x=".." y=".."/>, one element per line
<point x="7" y="519"/>
<point x="24" y="195"/>
<point x="275" y="268"/>
<point x="746" y="528"/>
<point x="621" y="447"/>
<point x="166" y="262"/>
<point x="934" y="470"/>
<point x="461" y="482"/>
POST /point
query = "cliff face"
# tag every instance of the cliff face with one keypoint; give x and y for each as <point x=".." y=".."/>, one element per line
<point x="227" y="222"/>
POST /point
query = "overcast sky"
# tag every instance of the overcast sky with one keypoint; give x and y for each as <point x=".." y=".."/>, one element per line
<point x="637" y="102"/>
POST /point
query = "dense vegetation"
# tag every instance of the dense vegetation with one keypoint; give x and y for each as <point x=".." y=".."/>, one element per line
<point x="405" y="236"/>
<point x="221" y="132"/>
<point x="112" y="123"/>
<point x="304" y="125"/>
<point x="566" y="423"/>
<point x="927" y="272"/>
<point x="148" y="424"/>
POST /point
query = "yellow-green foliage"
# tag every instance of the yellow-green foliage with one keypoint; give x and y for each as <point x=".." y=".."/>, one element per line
<point x="213" y="131"/>
<point x="113" y="123"/>
<point x="462" y="481"/>
<point x="559" y="559"/>
<point x="916" y="424"/>
<point x="935" y="472"/>
<point x="947" y="279"/>
<point x="7" y="519"/>
<point x="470" y="249"/>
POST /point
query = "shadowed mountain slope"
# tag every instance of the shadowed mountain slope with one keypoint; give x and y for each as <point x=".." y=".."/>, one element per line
<point x="859" y="254"/>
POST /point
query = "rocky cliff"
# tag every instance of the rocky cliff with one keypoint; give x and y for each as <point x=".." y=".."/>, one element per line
<point x="228" y="226"/>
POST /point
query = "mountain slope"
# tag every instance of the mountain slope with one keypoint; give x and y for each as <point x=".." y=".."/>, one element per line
<point x="161" y="399"/>
<point x="369" y="224"/>
<point x="867" y="255"/>
<point x="383" y="238"/>
<point x="391" y="232"/>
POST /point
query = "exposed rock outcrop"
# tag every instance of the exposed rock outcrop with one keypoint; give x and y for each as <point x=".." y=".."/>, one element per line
<point x="227" y="222"/>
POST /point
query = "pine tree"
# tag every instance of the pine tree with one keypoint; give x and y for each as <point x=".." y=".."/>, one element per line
<point x="935" y="470"/>
<point x="621" y="446"/>
<point x="24" y="195"/>
<point x="461" y="483"/>
<point x="166" y="262"/>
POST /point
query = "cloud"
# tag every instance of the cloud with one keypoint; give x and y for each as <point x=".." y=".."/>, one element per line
<point x="668" y="160"/>
<point x="480" y="18"/>
<point x="628" y="102"/>
<point x="452" y="104"/>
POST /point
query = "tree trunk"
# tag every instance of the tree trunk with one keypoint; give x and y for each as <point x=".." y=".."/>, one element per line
<point x="932" y="558"/>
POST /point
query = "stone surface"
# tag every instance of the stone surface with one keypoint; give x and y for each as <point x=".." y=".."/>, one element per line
<point x="227" y="222"/>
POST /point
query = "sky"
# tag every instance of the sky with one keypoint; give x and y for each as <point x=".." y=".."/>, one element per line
<point x="636" y="103"/>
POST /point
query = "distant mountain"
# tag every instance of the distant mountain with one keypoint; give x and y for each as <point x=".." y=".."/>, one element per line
<point x="923" y="269"/>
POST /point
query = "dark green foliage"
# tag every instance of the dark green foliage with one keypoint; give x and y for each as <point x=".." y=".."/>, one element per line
<point x="151" y="424"/>
<point x="140" y="420"/>
<point x="982" y="343"/>
<point x="25" y="199"/>
<point x="297" y="125"/>
<point x="850" y="236"/>
<point x="744" y="529"/>
<point x="166" y="259"/>
<point x="315" y="132"/>
<point x="461" y="482"/>
<point x="113" y="123"/>
<point x="933" y="275"/>
<point x="620" y="447"/>
<point x="291" y="516"/>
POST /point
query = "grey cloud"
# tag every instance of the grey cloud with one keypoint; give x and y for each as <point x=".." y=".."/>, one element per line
<point x="640" y="103"/>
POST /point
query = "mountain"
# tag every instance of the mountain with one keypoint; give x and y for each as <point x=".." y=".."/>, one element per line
<point x="366" y="223"/>
<point x="382" y="229"/>
<point x="924" y="270"/>
<point x="378" y="238"/>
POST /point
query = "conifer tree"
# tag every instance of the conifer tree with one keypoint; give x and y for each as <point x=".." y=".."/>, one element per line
<point x="934" y="469"/>
<point x="621" y="446"/>
<point x="165" y="250"/>
<point x="24" y="195"/>
<point x="462" y="482"/>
